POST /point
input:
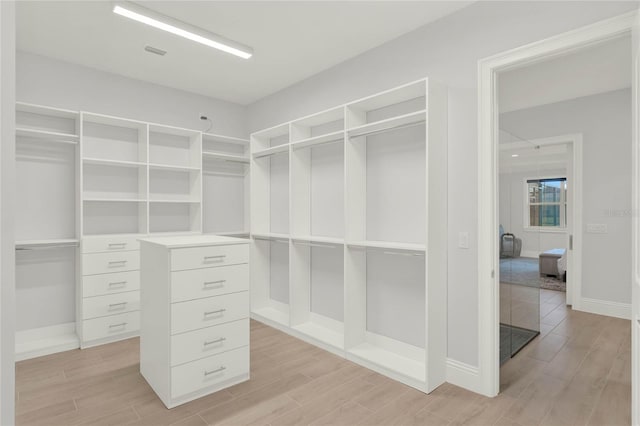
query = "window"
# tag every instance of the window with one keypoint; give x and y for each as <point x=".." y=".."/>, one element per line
<point x="547" y="203"/>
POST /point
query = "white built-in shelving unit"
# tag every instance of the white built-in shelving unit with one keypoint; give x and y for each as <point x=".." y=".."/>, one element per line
<point x="101" y="182"/>
<point x="46" y="228"/>
<point x="349" y="231"/>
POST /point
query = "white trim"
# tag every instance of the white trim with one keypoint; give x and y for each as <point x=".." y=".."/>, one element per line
<point x="488" y="289"/>
<point x="605" y="307"/>
<point x="46" y="340"/>
<point x="464" y="375"/>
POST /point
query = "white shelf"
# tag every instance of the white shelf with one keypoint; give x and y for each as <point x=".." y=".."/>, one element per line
<point x="413" y="247"/>
<point x="107" y="162"/>
<point x="317" y="239"/>
<point x="228" y="233"/>
<point x="210" y="137"/>
<point x="168" y="200"/>
<point x="269" y="236"/>
<point x="390" y="361"/>
<point x="272" y="315"/>
<point x="56" y="242"/>
<point x="114" y="200"/>
<point x="156" y="166"/>
<point x="388" y="124"/>
<point x="318" y="140"/>
<point x="225" y="157"/>
<point x="271" y="151"/>
<point x="46" y="135"/>
<point x="322" y="334"/>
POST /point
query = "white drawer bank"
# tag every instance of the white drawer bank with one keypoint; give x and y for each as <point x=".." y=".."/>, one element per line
<point x="194" y="332"/>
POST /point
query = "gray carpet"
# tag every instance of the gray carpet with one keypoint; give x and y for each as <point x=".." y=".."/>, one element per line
<point x="524" y="271"/>
<point x="512" y="339"/>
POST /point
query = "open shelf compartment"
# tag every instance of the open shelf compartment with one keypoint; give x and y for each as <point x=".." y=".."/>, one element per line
<point x="225" y="148"/>
<point x="174" y="147"/>
<point x="44" y="122"/>
<point x="225" y="196"/>
<point x="108" y="217"/>
<point x="270" y="281"/>
<point x="174" y="217"/>
<point x="317" y="293"/>
<point x="114" y="139"/>
<point x="316" y="129"/>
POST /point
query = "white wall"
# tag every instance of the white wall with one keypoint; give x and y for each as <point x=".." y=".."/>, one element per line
<point x="605" y="123"/>
<point x="7" y="189"/>
<point x="46" y="81"/>
<point x="512" y="210"/>
<point x="446" y="50"/>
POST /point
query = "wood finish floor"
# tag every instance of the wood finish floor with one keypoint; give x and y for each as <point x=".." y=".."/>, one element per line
<point x="577" y="372"/>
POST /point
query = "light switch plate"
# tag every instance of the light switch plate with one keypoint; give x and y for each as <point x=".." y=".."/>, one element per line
<point x="463" y="240"/>
<point x="597" y="228"/>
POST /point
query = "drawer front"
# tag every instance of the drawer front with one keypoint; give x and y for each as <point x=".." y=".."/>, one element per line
<point x="209" y="341"/>
<point x="100" y="328"/>
<point x="205" y="257"/>
<point x="207" y="372"/>
<point x="104" y="263"/>
<point x="201" y="313"/>
<point x="119" y="282"/>
<point x="112" y="243"/>
<point x="111" y="304"/>
<point x="206" y="282"/>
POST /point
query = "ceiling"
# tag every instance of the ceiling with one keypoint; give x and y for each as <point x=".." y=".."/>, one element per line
<point x="599" y="69"/>
<point x="291" y="40"/>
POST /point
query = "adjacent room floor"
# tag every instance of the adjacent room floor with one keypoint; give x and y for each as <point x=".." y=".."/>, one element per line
<point x="576" y="372"/>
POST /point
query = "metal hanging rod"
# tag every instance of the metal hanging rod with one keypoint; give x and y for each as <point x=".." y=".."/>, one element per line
<point x="312" y="244"/>
<point x="387" y="129"/>
<point x="45" y="246"/>
<point x="275" y="240"/>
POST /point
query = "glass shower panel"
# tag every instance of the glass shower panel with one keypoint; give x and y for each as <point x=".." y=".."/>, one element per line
<point x="519" y="246"/>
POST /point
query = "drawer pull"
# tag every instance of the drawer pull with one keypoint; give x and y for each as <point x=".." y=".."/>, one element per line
<point x="121" y="325"/>
<point x="217" y="370"/>
<point x="117" y="245"/>
<point x="219" y="257"/>
<point x="218" y="311"/>
<point x="117" y="306"/>
<point x="117" y="263"/>
<point x="213" y="342"/>
<point x="118" y="284"/>
<point x="214" y="284"/>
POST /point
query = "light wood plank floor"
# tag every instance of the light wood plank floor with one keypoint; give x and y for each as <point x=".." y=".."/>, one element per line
<point x="576" y="373"/>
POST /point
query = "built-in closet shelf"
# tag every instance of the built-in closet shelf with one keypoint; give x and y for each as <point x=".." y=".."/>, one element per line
<point x="53" y="243"/>
<point x="271" y="151"/>
<point x="208" y="137"/>
<point x="47" y="136"/>
<point x="156" y="166"/>
<point x="321" y="240"/>
<point x="114" y="200"/>
<point x="118" y="163"/>
<point x="388" y="360"/>
<point x="225" y="157"/>
<point x="322" y="334"/>
<point x="388" y="245"/>
<point x="318" y="140"/>
<point x="170" y="201"/>
<point x="270" y="314"/>
<point x="388" y="124"/>
<point x="269" y="236"/>
<point x="229" y="234"/>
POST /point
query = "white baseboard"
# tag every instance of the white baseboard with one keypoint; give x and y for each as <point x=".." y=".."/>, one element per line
<point x="463" y="375"/>
<point x="604" y="307"/>
<point x="46" y="340"/>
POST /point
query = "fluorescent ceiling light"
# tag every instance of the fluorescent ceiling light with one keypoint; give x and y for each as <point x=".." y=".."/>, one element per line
<point x="182" y="29"/>
<point x="514" y="155"/>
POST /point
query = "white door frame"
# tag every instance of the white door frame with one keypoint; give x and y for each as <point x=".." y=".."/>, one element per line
<point x="574" y="239"/>
<point x="488" y="286"/>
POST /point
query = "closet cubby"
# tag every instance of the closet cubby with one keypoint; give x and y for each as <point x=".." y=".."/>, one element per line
<point x="34" y="122"/>
<point x="173" y="148"/>
<point x="317" y="292"/>
<point x="386" y="299"/>
<point x="270" y="280"/>
<point x="225" y="185"/>
<point x="174" y="217"/>
<point x="112" y="140"/>
<point x="270" y="182"/>
<point x="367" y="236"/>
<point x="317" y="177"/>
<point x="114" y="217"/>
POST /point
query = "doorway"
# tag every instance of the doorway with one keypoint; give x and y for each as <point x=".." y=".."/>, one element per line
<point x="489" y="70"/>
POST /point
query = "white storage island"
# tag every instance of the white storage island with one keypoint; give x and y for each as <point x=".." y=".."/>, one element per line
<point x="194" y="333"/>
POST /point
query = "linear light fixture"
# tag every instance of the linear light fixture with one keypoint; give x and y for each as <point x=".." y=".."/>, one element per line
<point x="182" y="29"/>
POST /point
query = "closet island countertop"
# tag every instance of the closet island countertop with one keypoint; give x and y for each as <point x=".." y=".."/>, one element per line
<point x="181" y="241"/>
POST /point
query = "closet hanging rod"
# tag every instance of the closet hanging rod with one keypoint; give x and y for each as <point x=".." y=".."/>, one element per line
<point x="45" y="140"/>
<point x="402" y="253"/>
<point x="214" y="173"/>
<point x="301" y="145"/>
<point x="45" y="247"/>
<point x="275" y="240"/>
<point x="312" y="244"/>
<point x="386" y="129"/>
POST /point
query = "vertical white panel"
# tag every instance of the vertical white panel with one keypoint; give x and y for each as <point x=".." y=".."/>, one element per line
<point x="327" y="190"/>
